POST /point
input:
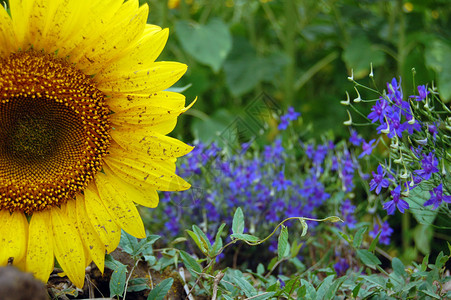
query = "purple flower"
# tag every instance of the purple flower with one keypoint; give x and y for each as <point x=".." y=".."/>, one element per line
<point x="378" y="182"/>
<point x="273" y="153"/>
<point x="292" y="114"/>
<point x="395" y="125"/>
<point x="437" y="197"/>
<point x="380" y="110"/>
<point x="422" y="93"/>
<point x="428" y="167"/>
<point x="432" y="128"/>
<point x="395" y="91"/>
<point x="367" y="148"/>
<point x="281" y="184"/>
<point x="285" y="120"/>
<point x="355" y="138"/>
<point x="411" y="127"/>
<point x="386" y="232"/>
<point x="310" y="151"/>
<point x="341" y="267"/>
<point x="347" y="210"/>
<point x="319" y="154"/>
<point x="396" y="202"/>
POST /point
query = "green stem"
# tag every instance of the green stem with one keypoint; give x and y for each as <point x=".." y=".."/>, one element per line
<point x="290" y="49"/>
<point x="401" y="38"/>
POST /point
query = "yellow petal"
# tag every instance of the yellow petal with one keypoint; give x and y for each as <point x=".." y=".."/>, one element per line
<point x="90" y="237"/>
<point x="143" y="141"/>
<point x="68" y="247"/>
<point x="13" y="236"/>
<point x="151" y="29"/>
<point x="20" y="14"/>
<point x="130" y="21"/>
<point x="158" y="174"/>
<point x="167" y="100"/>
<point x="41" y="12"/>
<point x="119" y="203"/>
<point x="69" y="208"/>
<point x="101" y="220"/>
<point x="95" y="22"/>
<point x="61" y="19"/>
<point x="141" y="55"/>
<point x="156" y="118"/>
<point x="137" y="191"/>
<point x="7" y="35"/>
<point x="161" y="121"/>
<point x="39" y="258"/>
<point x="159" y="76"/>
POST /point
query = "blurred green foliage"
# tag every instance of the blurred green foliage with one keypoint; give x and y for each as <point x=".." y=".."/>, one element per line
<point x="300" y="53"/>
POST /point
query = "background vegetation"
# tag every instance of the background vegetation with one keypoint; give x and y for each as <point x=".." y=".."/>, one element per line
<point x="299" y="53"/>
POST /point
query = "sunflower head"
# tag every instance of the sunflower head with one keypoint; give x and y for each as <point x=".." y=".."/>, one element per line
<point x="83" y="122"/>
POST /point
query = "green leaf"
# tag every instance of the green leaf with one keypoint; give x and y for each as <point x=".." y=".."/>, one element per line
<point x="238" y="278"/>
<point x="260" y="269"/>
<point x="238" y="221"/>
<point x="360" y="53"/>
<point x="244" y="69"/>
<point x="295" y="248"/>
<point x="144" y="247"/>
<point x="217" y="245"/>
<point x="397" y="281"/>
<point x="310" y="291"/>
<point x="208" y="44"/>
<point x="282" y="245"/>
<point x="368" y="258"/>
<point x="128" y="243"/>
<point x="190" y="262"/>
<point x="356" y="289"/>
<point x="118" y="278"/>
<point x="263" y="296"/>
<point x="208" y="129"/>
<point x="150" y="259"/>
<point x="437" y="57"/>
<point x="417" y="197"/>
<point x="424" y="263"/>
<point x="374" y="242"/>
<point x="203" y="238"/>
<point x="422" y="235"/>
<point x="430" y="293"/>
<point x="324" y="287"/>
<point x="359" y="237"/>
<point x="376" y="279"/>
<point x="334" y="287"/>
<point x="161" y="290"/>
<point x="291" y="284"/>
<point x="245" y="237"/>
<point x="398" y="267"/>
<point x="196" y="240"/>
<point x="137" y="284"/>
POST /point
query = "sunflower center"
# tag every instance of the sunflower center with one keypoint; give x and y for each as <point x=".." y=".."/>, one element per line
<point x="32" y="135"/>
<point x="53" y="131"/>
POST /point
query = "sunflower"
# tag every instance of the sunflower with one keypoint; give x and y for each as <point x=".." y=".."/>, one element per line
<point x="84" y="115"/>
